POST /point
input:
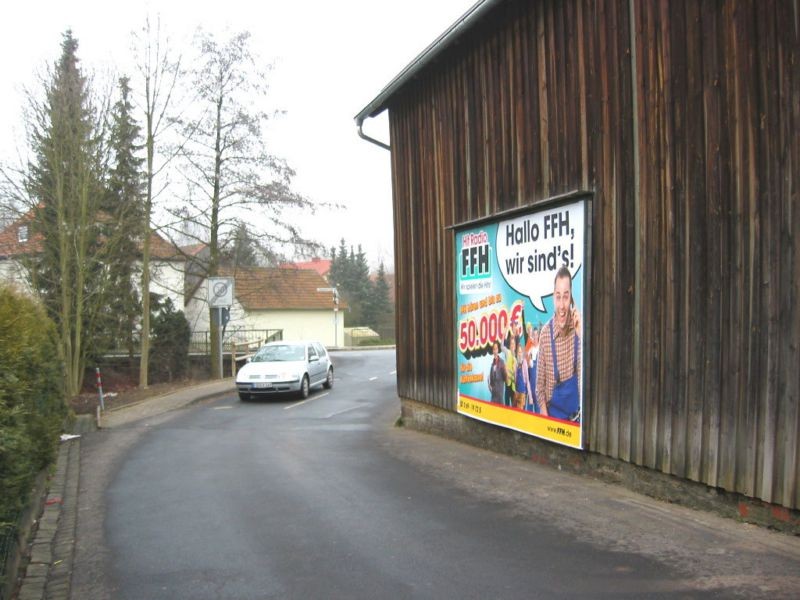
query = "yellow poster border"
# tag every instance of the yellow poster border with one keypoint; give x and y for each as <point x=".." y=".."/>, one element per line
<point x="548" y="428"/>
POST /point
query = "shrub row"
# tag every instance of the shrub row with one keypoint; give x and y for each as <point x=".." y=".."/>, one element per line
<point x="32" y="407"/>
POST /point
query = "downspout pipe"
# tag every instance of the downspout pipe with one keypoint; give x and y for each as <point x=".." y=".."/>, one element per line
<point x="371" y="140"/>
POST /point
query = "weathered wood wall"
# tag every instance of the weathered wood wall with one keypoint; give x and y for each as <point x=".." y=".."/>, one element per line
<point x="683" y="118"/>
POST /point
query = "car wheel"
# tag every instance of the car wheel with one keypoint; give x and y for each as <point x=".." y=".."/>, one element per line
<point x="304" y="387"/>
<point x="329" y="380"/>
<point x="244" y="397"/>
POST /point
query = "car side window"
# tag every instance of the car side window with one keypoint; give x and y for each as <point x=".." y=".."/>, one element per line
<point x="311" y="352"/>
<point x="320" y="350"/>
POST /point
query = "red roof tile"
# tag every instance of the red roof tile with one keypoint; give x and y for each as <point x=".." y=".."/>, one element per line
<point x="194" y="249"/>
<point x="276" y="289"/>
<point x="9" y="238"/>
<point x="320" y="265"/>
<point x="11" y="246"/>
<point x="161" y="248"/>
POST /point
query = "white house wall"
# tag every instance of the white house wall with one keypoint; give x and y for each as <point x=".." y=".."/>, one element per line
<point x="196" y="313"/>
<point x="296" y="324"/>
<point x="166" y="279"/>
<point x="12" y="273"/>
<point x="301" y="324"/>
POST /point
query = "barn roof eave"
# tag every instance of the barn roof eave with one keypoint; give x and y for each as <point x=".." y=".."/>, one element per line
<point x="439" y="45"/>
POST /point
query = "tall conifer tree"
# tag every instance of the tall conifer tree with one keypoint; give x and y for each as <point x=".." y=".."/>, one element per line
<point x="337" y="275"/>
<point x="65" y="186"/>
<point x="124" y="203"/>
<point x="378" y="309"/>
<point x="349" y="272"/>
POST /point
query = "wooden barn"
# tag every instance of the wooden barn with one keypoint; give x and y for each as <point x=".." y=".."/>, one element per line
<point x="680" y="120"/>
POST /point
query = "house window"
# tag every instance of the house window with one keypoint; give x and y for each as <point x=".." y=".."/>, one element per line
<point x="22" y="234"/>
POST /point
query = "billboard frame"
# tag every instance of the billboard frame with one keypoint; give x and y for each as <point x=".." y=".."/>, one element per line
<point x="587" y="197"/>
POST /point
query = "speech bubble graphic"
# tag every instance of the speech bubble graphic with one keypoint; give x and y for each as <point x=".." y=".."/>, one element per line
<point x="531" y="249"/>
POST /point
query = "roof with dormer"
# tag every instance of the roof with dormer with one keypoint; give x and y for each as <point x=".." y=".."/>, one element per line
<point x="18" y="240"/>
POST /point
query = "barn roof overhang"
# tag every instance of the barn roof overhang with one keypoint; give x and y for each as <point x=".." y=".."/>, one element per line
<point x="425" y="58"/>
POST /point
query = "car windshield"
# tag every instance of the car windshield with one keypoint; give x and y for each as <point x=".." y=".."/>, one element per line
<point x="280" y="353"/>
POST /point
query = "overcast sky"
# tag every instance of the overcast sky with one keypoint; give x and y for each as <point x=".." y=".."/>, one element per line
<point x="331" y="59"/>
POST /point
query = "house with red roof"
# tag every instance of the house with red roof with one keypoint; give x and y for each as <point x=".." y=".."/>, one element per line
<point x="295" y="298"/>
<point x="167" y="262"/>
<point x="297" y="301"/>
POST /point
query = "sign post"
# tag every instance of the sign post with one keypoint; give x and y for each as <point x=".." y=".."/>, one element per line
<point x="220" y="296"/>
<point x="100" y="388"/>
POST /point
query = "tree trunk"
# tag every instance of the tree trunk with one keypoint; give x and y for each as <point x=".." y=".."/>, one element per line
<point x="148" y="208"/>
<point x="216" y="371"/>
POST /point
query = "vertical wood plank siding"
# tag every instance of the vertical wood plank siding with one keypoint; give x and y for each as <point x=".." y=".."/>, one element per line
<point x="696" y="270"/>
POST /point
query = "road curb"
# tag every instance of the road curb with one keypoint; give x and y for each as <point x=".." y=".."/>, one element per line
<point x="51" y="551"/>
<point x="165" y="403"/>
<point x="334" y="349"/>
<point x="48" y="573"/>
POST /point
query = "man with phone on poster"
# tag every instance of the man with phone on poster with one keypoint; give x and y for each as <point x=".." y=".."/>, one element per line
<point x="558" y="372"/>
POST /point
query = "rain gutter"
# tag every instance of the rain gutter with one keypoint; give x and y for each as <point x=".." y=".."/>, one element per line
<point x="425" y="58"/>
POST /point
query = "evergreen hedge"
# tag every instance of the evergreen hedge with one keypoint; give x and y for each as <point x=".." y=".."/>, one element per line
<point x="32" y="407"/>
<point x="169" y="350"/>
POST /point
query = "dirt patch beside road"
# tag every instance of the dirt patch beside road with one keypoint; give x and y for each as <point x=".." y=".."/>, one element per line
<point x="121" y="392"/>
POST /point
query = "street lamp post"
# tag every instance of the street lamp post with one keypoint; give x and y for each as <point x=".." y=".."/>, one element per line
<point x="335" y="293"/>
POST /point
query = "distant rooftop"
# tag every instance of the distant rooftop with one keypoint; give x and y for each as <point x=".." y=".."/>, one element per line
<point x="321" y="265"/>
<point x="264" y="288"/>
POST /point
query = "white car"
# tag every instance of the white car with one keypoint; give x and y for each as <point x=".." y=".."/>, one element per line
<point x="280" y="367"/>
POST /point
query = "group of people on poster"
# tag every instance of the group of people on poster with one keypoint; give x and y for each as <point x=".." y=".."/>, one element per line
<point x="538" y="368"/>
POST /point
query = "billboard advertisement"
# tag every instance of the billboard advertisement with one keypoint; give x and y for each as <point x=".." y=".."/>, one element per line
<point x="521" y="320"/>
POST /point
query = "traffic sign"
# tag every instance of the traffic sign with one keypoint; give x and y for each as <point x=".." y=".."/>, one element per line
<point x="220" y="292"/>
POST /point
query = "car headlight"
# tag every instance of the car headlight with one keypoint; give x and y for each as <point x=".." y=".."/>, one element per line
<point x="289" y="376"/>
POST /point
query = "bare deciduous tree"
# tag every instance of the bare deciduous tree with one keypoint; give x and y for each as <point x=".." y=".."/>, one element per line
<point x="158" y="76"/>
<point x="231" y="174"/>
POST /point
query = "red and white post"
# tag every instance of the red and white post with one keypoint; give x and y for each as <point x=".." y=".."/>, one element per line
<point x="100" y="388"/>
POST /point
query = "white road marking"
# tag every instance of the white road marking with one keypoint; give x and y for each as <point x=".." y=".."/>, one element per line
<point x="393" y="373"/>
<point x="222" y="407"/>
<point x="345" y="410"/>
<point x="372" y="378"/>
<point x="306" y="400"/>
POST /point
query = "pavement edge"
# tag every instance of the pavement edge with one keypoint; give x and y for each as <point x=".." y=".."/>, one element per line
<point x="48" y="574"/>
<point x="51" y="552"/>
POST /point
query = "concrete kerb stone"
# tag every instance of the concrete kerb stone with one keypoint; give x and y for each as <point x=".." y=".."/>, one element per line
<point x="48" y="574"/>
<point x="359" y="348"/>
<point x="201" y="392"/>
<point x="196" y="391"/>
<point x="53" y="542"/>
<point x="26" y="529"/>
<point x="166" y="402"/>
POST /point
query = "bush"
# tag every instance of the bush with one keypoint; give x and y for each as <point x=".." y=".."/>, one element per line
<point x="169" y="356"/>
<point x="32" y="407"/>
<point x="372" y="342"/>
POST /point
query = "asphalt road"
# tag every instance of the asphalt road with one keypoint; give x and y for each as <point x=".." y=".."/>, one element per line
<point x="327" y="499"/>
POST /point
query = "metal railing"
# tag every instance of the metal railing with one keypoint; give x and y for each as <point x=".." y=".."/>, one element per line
<point x="200" y="342"/>
<point x="8" y="545"/>
<point x="370" y="336"/>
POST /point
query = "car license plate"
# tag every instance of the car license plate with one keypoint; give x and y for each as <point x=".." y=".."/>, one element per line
<point x="263" y="385"/>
